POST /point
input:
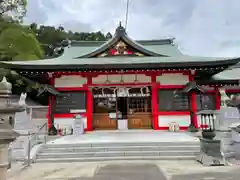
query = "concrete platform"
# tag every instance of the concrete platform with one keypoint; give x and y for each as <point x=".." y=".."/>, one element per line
<point x="125" y="136"/>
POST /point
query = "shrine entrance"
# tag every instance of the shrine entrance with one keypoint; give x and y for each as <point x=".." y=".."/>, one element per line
<point x="122" y="108"/>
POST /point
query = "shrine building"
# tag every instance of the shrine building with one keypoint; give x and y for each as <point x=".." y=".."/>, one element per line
<point x="127" y="84"/>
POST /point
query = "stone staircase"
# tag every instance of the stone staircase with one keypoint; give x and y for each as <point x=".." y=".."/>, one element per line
<point x="83" y="152"/>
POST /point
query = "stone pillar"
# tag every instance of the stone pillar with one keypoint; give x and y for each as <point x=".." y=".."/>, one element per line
<point x="7" y="135"/>
<point x="3" y="160"/>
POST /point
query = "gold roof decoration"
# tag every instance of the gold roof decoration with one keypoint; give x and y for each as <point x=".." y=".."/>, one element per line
<point x="121" y="44"/>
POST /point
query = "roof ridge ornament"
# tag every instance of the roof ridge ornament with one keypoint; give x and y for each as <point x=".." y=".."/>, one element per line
<point x="120" y="30"/>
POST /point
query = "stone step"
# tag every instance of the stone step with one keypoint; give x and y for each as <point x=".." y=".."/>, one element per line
<point x="115" y="154"/>
<point x="107" y="144"/>
<point x="120" y="148"/>
<point x="97" y="159"/>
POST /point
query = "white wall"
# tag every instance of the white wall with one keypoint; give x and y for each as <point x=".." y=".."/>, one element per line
<point x="173" y="79"/>
<point x="70" y="81"/>
<point x="182" y="120"/>
<point x="67" y="122"/>
<point x="126" y="78"/>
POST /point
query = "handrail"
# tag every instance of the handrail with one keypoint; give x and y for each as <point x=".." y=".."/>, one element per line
<point x="30" y="144"/>
<point x="45" y="124"/>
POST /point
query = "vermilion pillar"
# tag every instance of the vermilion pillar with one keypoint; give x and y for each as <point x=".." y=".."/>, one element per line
<point x="218" y="99"/>
<point x="193" y="99"/>
<point x="89" y="106"/>
<point x="49" y="112"/>
<point x="154" y="102"/>
<point x="194" y="109"/>
<point x="50" y="101"/>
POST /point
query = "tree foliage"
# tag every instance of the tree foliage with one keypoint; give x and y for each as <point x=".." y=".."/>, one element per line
<point x="19" y="43"/>
<point x="15" y="9"/>
<point x="51" y="37"/>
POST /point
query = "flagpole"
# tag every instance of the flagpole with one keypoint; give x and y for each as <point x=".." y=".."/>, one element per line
<point x="126" y="20"/>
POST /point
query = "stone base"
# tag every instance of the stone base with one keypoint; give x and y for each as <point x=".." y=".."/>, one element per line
<point x="52" y="131"/>
<point x="210" y="153"/>
<point x="233" y="161"/>
<point x="206" y="160"/>
<point x="3" y="161"/>
<point x="192" y="128"/>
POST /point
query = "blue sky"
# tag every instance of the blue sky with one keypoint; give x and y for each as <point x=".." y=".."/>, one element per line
<point x="201" y="27"/>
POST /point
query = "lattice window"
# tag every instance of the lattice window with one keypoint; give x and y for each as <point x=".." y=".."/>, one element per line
<point x="169" y="100"/>
<point x="104" y="105"/>
<point x="140" y="104"/>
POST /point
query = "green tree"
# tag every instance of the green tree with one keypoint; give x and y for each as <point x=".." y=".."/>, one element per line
<point x="19" y="43"/>
<point x="4" y="24"/>
<point x="34" y="28"/>
<point x="51" y="37"/>
<point x="15" y="9"/>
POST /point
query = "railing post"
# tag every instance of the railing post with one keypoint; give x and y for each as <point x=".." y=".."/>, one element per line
<point x="30" y="113"/>
<point x="46" y="133"/>
<point x="29" y="150"/>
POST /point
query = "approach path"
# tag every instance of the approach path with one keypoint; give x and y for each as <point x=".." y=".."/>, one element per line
<point x="124" y="170"/>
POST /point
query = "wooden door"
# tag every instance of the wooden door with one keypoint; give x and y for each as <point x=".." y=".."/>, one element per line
<point x="140" y="112"/>
<point x="140" y="121"/>
<point x="101" y="121"/>
<point x="103" y="106"/>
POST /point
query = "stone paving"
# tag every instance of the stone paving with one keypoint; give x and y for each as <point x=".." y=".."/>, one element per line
<point x="117" y="136"/>
<point x="232" y="175"/>
<point x="126" y="170"/>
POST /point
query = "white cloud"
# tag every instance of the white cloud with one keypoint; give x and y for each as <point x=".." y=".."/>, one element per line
<point x="201" y="27"/>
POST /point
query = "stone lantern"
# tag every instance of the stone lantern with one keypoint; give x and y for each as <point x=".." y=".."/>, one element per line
<point x="7" y="135"/>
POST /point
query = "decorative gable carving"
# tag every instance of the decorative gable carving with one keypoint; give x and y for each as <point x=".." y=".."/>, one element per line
<point x="121" y="49"/>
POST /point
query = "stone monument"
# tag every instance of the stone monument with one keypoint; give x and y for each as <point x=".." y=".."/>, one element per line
<point x="230" y="128"/>
<point x="78" y="125"/>
<point x="7" y="134"/>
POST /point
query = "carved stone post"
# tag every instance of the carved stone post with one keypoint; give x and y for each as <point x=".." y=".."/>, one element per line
<point x="7" y="135"/>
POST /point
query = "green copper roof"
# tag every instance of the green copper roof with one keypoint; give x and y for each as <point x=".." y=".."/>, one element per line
<point x="168" y="49"/>
<point x="157" y="54"/>
<point x="144" y="62"/>
<point x="76" y="51"/>
<point x="83" y="49"/>
<point x="232" y="73"/>
<point x="73" y="52"/>
<point x="118" y="60"/>
<point x="121" y="38"/>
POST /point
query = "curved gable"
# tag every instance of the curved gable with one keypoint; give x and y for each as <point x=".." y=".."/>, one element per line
<point x="121" y="45"/>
